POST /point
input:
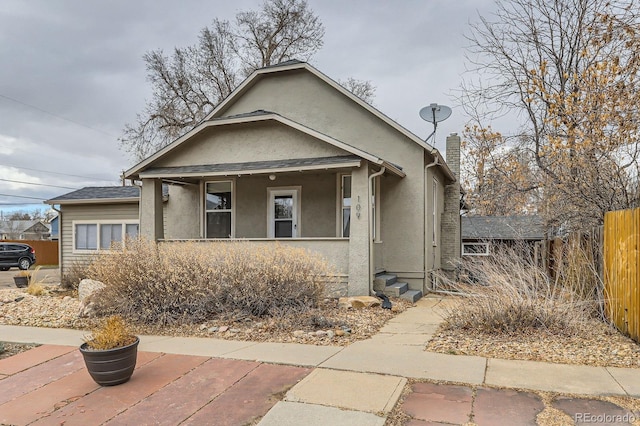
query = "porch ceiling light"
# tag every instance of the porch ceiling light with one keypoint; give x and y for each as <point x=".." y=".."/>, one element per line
<point x="272" y="177"/>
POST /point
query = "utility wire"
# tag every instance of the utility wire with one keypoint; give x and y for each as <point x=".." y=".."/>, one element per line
<point x="56" y="115"/>
<point x="61" y="174"/>
<point x="21" y="196"/>
<point x="19" y="204"/>
<point x="37" y="184"/>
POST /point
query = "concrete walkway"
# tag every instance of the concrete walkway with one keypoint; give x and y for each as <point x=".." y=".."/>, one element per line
<point x="360" y="384"/>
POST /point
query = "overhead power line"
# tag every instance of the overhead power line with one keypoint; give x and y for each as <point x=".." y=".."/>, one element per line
<point x="60" y="174"/>
<point x="37" y="184"/>
<point x="26" y="203"/>
<point x="56" y="115"/>
<point x="22" y="196"/>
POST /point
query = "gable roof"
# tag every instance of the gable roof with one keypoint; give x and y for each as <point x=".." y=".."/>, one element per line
<point x="502" y="228"/>
<point x="257" y="116"/>
<point x="299" y="65"/>
<point x="19" y="226"/>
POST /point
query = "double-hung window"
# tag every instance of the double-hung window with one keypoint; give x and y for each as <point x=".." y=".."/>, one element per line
<point x="218" y="209"/>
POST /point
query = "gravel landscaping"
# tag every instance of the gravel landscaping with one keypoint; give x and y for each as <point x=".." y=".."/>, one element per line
<point x="598" y="345"/>
<point x="326" y="325"/>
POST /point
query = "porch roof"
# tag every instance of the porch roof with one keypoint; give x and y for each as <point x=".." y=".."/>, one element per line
<point x="254" y="167"/>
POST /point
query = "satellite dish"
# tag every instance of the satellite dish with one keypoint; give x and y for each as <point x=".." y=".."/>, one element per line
<point x="434" y="113"/>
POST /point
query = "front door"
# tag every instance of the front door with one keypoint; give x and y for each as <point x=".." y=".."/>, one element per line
<point x="283" y="213"/>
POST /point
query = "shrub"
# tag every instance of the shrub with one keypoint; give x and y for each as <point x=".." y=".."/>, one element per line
<point x="510" y="294"/>
<point x="190" y="282"/>
<point x="76" y="272"/>
<point x="112" y="333"/>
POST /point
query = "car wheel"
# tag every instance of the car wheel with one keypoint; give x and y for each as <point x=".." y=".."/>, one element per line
<point x="4" y="268"/>
<point x="24" y="264"/>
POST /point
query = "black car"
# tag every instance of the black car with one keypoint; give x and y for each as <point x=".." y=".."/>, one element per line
<point x="16" y="254"/>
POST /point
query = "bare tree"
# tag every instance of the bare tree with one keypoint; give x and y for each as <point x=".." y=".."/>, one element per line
<point x="497" y="176"/>
<point x="188" y="84"/>
<point x="568" y="70"/>
<point x="364" y="89"/>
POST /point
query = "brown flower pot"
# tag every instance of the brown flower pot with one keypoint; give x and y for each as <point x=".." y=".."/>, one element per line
<point x="21" y="282"/>
<point x="111" y="367"/>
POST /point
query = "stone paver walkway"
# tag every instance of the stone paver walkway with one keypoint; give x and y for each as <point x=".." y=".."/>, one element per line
<point x="50" y="385"/>
<point x="220" y="382"/>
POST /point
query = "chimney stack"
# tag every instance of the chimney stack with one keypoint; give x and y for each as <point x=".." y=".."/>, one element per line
<point x="451" y="242"/>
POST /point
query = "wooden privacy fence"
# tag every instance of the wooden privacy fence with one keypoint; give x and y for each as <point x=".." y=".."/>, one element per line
<point x="575" y="257"/>
<point x="622" y="270"/>
<point x="46" y="251"/>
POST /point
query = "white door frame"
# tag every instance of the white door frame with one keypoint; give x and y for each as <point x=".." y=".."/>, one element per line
<point x="294" y="191"/>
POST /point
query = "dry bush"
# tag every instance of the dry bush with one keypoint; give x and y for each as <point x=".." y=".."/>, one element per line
<point x="76" y="272"/>
<point x="187" y="282"/>
<point x="509" y="293"/>
<point x="112" y="333"/>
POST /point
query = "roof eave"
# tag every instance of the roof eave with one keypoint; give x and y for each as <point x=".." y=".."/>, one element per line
<point x="151" y="175"/>
<point x="94" y="201"/>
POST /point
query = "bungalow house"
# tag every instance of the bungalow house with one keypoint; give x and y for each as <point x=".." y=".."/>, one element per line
<point x="290" y="156"/>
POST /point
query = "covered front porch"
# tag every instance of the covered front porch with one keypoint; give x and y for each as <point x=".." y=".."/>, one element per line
<point x="326" y="205"/>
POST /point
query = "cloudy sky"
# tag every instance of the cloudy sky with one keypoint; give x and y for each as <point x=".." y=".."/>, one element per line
<point x="72" y="74"/>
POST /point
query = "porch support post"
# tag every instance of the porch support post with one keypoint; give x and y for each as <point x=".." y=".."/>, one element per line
<point x="151" y="223"/>
<point x="359" y="244"/>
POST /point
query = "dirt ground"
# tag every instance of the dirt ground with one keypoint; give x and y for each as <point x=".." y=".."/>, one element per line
<point x="48" y="276"/>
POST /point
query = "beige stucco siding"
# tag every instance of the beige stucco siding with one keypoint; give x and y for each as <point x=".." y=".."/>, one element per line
<point x="317" y="203"/>
<point x="433" y="252"/>
<point x="246" y="142"/>
<point x="313" y="103"/>
<point x="330" y="112"/>
<point x="182" y="212"/>
<point x="100" y="213"/>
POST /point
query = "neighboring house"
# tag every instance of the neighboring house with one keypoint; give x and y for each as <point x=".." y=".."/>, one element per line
<point x="53" y="224"/>
<point x="92" y="218"/>
<point x="291" y="157"/>
<point x="24" y="230"/>
<point x="481" y="235"/>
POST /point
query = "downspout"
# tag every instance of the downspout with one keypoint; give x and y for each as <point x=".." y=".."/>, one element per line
<point x="426" y="206"/>
<point x="371" y="224"/>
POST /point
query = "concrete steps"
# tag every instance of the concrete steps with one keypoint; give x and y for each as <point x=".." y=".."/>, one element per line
<point x="391" y="287"/>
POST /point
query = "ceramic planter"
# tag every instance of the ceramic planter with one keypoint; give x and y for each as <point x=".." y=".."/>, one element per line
<point x="111" y="367"/>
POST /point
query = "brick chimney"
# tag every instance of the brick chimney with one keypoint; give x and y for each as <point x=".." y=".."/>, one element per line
<point x="451" y="217"/>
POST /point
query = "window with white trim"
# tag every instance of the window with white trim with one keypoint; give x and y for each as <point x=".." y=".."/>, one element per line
<point x="86" y="236"/>
<point x="101" y="235"/>
<point x="475" y="249"/>
<point x="218" y="209"/>
<point x="345" y="204"/>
